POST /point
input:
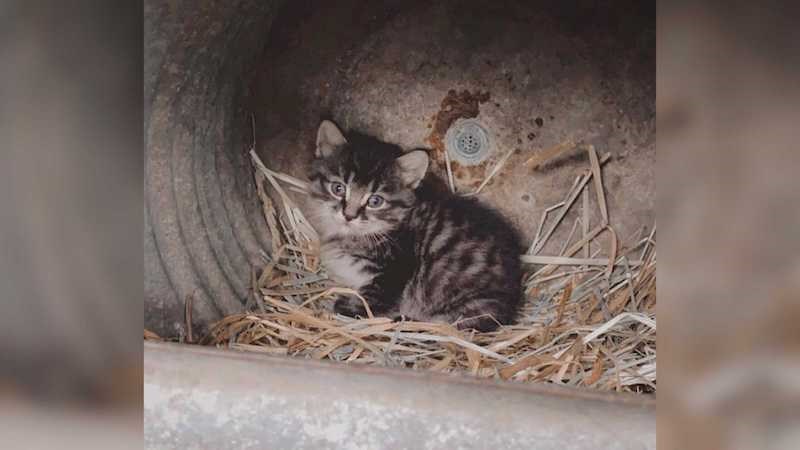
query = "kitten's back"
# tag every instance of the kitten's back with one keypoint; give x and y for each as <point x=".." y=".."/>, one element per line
<point x="468" y="262"/>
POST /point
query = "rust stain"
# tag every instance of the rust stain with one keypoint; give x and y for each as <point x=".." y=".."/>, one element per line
<point x="456" y="105"/>
<point x="468" y="175"/>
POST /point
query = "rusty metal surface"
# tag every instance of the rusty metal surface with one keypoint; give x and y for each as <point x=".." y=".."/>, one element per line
<point x="200" y="397"/>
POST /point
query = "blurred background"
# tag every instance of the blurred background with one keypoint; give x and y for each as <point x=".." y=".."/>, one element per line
<point x="71" y="276"/>
<point x="727" y="206"/>
<point x="70" y="224"/>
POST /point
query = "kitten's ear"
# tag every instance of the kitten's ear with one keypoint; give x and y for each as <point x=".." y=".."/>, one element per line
<point x="412" y="166"/>
<point x="329" y="137"/>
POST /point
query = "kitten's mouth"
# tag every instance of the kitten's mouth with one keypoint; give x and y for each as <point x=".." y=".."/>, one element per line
<point x="347" y="223"/>
<point x="350" y="226"/>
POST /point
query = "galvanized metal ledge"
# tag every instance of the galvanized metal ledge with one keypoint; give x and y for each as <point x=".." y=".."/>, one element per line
<point x="201" y="397"/>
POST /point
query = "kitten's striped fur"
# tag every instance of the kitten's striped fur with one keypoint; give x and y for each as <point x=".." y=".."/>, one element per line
<point x="424" y="253"/>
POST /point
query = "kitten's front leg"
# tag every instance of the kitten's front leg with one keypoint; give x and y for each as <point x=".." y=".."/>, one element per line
<point x="379" y="303"/>
<point x="349" y="305"/>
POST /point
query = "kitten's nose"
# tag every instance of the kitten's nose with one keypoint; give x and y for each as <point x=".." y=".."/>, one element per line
<point x="350" y="211"/>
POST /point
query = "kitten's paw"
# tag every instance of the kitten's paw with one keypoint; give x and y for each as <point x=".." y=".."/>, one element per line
<point x="482" y="324"/>
<point x="403" y="318"/>
<point x="349" y="306"/>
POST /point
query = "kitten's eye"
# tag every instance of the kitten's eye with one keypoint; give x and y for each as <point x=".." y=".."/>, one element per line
<point x="337" y="189"/>
<point x="374" y="201"/>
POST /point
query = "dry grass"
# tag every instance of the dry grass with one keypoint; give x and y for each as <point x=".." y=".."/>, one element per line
<point x="588" y="320"/>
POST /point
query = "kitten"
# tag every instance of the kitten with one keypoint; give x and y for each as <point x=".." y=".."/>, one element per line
<point x="410" y="249"/>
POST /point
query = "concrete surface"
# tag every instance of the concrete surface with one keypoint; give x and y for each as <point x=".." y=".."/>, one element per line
<point x="199" y="397"/>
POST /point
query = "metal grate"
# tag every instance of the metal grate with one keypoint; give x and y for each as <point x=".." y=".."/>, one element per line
<point x="467" y="142"/>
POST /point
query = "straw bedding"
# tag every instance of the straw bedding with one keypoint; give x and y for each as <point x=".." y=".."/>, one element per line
<point x="588" y="319"/>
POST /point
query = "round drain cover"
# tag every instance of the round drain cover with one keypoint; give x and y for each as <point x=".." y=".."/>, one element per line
<point x="467" y="142"/>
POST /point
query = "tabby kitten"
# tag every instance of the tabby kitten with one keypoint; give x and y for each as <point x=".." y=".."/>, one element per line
<point x="409" y="249"/>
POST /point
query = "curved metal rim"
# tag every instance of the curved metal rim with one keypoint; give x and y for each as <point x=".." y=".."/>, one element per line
<point x="621" y="398"/>
<point x="214" y="398"/>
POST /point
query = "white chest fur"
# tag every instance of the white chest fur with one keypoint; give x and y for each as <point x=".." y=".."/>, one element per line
<point x="343" y="268"/>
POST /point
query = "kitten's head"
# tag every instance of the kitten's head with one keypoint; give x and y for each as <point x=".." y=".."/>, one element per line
<point x="362" y="187"/>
